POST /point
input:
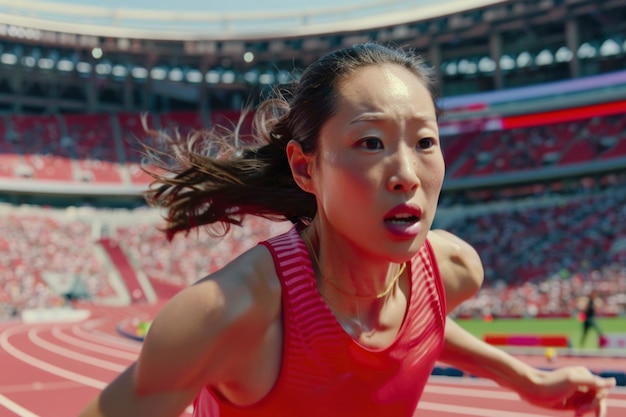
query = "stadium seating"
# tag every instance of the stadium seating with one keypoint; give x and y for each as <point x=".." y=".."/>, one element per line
<point x="536" y="238"/>
<point x="105" y="148"/>
<point x="132" y="133"/>
<point x="186" y="259"/>
<point x="96" y="147"/>
<point x="560" y="144"/>
<point x="554" y="252"/>
<point x="535" y="278"/>
<point x="46" y="154"/>
<point x="182" y="122"/>
<point x="34" y="245"/>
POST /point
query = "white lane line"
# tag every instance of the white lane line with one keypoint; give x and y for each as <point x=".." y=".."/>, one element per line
<point x="473" y="411"/>
<point x="16" y="408"/>
<point x="111" y="340"/>
<point x="612" y="402"/>
<point x="499" y="395"/>
<point x="38" y="386"/>
<point x="463" y="381"/>
<point x="50" y="347"/>
<point x="45" y="366"/>
<point x="93" y="323"/>
<point x="56" y="332"/>
<point x="472" y="392"/>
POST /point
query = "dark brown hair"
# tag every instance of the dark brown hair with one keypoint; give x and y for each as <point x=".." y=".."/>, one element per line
<point x="213" y="178"/>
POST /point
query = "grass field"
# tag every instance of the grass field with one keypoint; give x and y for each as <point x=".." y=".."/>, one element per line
<point x="572" y="327"/>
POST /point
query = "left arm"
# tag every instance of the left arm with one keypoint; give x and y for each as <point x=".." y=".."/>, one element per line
<point x="572" y="388"/>
<point x="569" y="388"/>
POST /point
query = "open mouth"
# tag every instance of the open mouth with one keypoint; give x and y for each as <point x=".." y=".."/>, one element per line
<point x="404" y="218"/>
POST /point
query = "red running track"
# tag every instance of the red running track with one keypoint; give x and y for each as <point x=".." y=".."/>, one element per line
<point x="55" y="369"/>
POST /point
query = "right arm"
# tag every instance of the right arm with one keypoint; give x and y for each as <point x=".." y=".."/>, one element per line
<point x="167" y="376"/>
<point x="120" y="399"/>
<point x="199" y="338"/>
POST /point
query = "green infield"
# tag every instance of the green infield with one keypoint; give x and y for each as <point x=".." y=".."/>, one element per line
<point x="571" y="327"/>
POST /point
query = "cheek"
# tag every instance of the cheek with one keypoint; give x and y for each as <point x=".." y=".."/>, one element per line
<point x="436" y="177"/>
<point x="432" y="178"/>
<point x="345" y="183"/>
<point x="435" y="172"/>
<point x="351" y="182"/>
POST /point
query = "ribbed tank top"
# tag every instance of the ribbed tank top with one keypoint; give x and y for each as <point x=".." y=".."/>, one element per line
<point x="326" y="373"/>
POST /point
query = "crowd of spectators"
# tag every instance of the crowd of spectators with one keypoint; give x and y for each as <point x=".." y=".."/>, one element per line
<point x="540" y="257"/>
<point x="41" y="253"/>
<point x="545" y="260"/>
<point x="538" y="260"/>
<point x="523" y="244"/>
<point x="554" y="296"/>
<point x="103" y="148"/>
<point x="186" y="259"/>
<point x="548" y="145"/>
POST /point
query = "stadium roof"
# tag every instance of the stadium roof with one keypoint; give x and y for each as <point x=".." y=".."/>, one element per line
<point x="183" y="19"/>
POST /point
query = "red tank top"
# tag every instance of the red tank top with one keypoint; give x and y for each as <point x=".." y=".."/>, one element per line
<point x="326" y="373"/>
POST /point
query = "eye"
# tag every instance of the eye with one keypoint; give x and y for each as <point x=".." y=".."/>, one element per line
<point x="426" y="143"/>
<point x="371" y="144"/>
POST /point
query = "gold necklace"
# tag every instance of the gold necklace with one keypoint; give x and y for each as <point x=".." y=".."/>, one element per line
<point x="341" y="290"/>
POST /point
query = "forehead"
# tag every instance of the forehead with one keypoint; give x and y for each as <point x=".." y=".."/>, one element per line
<point x="385" y="88"/>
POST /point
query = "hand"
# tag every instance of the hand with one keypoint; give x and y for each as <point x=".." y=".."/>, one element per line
<point x="570" y="388"/>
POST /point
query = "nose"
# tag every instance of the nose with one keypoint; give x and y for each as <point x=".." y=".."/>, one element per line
<point x="403" y="170"/>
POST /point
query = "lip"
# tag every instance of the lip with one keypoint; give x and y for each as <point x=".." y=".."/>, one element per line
<point x="404" y="230"/>
<point x="404" y="209"/>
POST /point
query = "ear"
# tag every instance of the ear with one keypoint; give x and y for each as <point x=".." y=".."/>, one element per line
<point x="301" y="166"/>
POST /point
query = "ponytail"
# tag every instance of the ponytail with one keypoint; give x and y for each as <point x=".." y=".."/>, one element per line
<point x="214" y="178"/>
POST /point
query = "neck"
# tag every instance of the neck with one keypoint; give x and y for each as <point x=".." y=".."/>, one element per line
<point x="347" y="273"/>
<point x="369" y="307"/>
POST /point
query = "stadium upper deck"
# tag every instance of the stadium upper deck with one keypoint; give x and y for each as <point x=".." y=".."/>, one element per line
<point x="51" y="65"/>
<point x="69" y="91"/>
<point x="270" y="20"/>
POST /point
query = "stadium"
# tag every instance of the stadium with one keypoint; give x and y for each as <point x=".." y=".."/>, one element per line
<point x="533" y="131"/>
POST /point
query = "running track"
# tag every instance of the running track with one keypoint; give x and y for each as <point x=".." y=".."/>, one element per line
<point x="55" y="369"/>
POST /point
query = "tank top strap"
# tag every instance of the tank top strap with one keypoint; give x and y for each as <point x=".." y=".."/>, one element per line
<point x="426" y="287"/>
<point x="291" y="258"/>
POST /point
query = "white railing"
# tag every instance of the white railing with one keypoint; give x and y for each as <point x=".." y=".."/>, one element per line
<point x="183" y="25"/>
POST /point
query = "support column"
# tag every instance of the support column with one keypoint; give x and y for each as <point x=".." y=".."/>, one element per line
<point x="16" y="82"/>
<point x="147" y="99"/>
<point x="572" y="40"/>
<point x="91" y="93"/>
<point x="434" y="54"/>
<point x="203" y="102"/>
<point x="495" y="52"/>
<point x="128" y="93"/>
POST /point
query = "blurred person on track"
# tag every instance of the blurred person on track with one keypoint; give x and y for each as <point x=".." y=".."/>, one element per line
<point x="589" y="318"/>
<point x="345" y="314"/>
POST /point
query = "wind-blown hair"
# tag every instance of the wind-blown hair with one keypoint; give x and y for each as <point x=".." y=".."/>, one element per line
<point x="216" y="178"/>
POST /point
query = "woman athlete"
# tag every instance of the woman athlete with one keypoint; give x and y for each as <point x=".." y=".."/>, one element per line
<point x="346" y="314"/>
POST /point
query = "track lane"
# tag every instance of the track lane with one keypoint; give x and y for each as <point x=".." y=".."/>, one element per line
<point x="64" y="365"/>
<point x="466" y="397"/>
<point x="54" y="370"/>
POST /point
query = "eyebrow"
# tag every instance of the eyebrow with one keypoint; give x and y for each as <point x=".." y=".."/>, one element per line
<point x="381" y="117"/>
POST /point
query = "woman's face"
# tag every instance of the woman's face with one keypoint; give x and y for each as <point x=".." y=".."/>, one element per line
<point x="380" y="168"/>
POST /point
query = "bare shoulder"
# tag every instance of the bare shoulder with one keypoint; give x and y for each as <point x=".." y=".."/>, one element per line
<point x="447" y="243"/>
<point x="460" y="266"/>
<point x="202" y="334"/>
